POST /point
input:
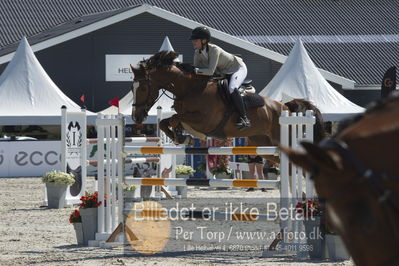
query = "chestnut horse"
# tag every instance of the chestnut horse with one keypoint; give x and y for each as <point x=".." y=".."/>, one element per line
<point x="357" y="173"/>
<point x="200" y="108"/>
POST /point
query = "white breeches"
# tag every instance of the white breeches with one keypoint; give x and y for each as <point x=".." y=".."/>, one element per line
<point x="237" y="78"/>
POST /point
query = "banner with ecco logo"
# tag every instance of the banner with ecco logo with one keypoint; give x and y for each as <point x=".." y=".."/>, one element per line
<point x="28" y="158"/>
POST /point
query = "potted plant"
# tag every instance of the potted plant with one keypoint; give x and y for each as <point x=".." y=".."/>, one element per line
<point x="220" y="167"/>
<point x="312" y="213"/>
<point x="76" y="220"/>
<point x="129" y="191"/>
<point x="335" y="246"/>
<point x="183" y="171"/>
<point x="57" y="183"/>
<point x="88" y="212"/>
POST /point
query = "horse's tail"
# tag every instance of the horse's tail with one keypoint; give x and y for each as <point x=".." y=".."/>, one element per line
<point x="301" y="105"/>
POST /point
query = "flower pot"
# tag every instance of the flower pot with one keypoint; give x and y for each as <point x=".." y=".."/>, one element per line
<point x="314" y="238"/>
<point x="56" y="194"/>
<point x="145" y="192"/>
<point x="336" y="248"/>
<point x="129" y="194"/>
<point x="79" y="233"/>
<point x="222" y="176"/>
<point x="182" y="191"/>
<point x="89" y="223"/>
<point x="183" y="176"/>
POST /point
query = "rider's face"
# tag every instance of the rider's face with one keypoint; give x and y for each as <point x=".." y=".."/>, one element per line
<point x="197" y="44"/>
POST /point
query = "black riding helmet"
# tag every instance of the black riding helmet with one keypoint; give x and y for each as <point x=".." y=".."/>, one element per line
<point x="200" y="33"/>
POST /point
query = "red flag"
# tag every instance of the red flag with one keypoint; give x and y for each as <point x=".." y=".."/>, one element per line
<point x="82" y="98"/>
<point x="114" y="102"/>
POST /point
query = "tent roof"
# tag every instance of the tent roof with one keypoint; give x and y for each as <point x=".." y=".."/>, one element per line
<point x="298" y="77"/>
<point x="28" y="94"/>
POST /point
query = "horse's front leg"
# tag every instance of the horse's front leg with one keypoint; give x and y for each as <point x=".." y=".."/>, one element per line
<point x="164" y="125"/>
<point x="173" y="130"/>
<point x="189" y="119"/>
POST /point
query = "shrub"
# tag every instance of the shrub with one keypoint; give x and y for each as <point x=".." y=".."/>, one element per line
<point x="58" y="177"/>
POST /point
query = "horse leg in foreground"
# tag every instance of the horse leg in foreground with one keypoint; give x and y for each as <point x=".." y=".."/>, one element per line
<point x="174" y="126"/>
<point x="173" y="130"/>
<point x="164" y="126"/>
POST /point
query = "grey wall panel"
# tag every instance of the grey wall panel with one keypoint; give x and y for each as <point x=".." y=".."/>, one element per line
<point x="77" y="66"/>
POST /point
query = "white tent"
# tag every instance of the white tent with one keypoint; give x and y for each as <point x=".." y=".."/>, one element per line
<point x="298" y="77"/>
<point x="165" y="101"/>
<point x="28" y="95"/>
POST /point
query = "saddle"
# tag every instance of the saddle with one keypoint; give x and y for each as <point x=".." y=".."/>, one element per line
<point x="251" y="100"/>
<point x="247" y="91"/>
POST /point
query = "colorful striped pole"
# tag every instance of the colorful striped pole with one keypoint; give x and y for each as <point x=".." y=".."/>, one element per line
<point x="131" y="140"/>
<point x="272" y="150"/>
<point x="130" y="160"/>
<point x="181" y="182"/>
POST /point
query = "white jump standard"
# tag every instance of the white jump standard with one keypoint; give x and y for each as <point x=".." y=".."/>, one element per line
<point x="111" y="128"/>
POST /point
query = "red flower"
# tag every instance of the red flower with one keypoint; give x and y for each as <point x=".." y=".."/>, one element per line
<point x="90" y="200"/>
<point x="309" y="208"/>
<point x="75" y="217"/>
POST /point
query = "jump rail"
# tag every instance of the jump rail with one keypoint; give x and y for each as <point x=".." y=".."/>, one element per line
<point x="131" y="140"/>
<point x="204" y="151"/>
<point x="109" y="128"/>
<point x="130" y="160"/>
<point x="200" y="182"/>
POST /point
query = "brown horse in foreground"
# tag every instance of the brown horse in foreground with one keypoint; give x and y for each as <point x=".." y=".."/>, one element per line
<point x="357" y="173"/>
<point x="200" y="108"/>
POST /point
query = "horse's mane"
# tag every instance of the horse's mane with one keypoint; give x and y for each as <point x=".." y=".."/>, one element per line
<point x="374" y="106"/>
<point x="162" y="59"/>
<point x="165" y="59"/>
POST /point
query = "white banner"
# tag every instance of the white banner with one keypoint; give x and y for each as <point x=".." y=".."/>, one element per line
<point x="74" y="135"/>
<point x="117" y="66"/>
<point x="29" y="158"/>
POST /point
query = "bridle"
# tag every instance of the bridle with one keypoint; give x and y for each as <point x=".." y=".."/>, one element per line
<point x="148" y="81"/>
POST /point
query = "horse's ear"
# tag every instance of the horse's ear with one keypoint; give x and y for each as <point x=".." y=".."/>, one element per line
<point x="133" y="69"/>
<point x="170" y="57"/>
<point x="299" y="158"/>
<point x="322" y="156"/>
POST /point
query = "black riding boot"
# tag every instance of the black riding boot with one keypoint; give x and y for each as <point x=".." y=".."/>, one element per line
<point x="243" y="121"/>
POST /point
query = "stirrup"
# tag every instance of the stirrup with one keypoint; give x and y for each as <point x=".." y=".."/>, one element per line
<point x="243" y="123"/>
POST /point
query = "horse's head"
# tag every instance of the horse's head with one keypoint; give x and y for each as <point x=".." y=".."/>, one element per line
<point x="149" y="77"/>
<point x="355" y="173"/>
<point x="144" y="94"/>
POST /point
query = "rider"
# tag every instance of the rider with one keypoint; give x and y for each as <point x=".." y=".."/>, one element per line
<point x="210" y="58"/>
